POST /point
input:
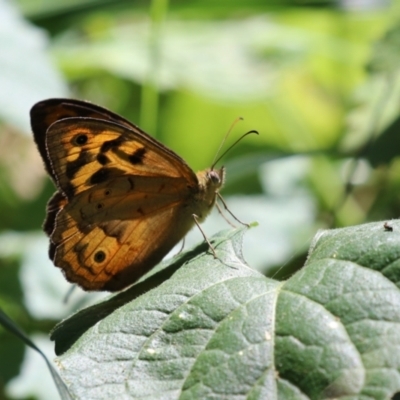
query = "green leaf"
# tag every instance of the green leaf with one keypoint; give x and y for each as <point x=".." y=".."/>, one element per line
<point x="385" y="57"/>
<point x="8" y="324"/>
<point x="218" y="329"/>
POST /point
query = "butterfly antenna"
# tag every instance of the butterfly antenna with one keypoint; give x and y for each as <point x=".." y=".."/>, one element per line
<point x="224" y="139"/>
<point x="234" y="144"/>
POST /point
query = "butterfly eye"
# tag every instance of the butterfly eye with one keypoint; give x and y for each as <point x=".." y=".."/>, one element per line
<point x="80" y="139"/>
<point x="100" y="256"/>
<point x="214" y="176"/>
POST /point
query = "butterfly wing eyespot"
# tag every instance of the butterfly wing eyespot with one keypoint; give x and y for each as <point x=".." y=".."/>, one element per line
<point x="80" y="139"/>
<point x="99" y="256"/>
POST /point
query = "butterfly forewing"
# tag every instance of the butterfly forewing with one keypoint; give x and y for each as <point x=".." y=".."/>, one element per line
<point x="85" y="152"/>
<point x="45" y="113"/>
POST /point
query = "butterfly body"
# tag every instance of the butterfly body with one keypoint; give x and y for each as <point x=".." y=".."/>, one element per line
<point x="123" y="200"/>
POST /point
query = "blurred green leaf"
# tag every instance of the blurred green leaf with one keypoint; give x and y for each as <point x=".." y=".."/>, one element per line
<point x="385" y="57"/>
<point x="11" y="300"/>
<point x="12" y="350"/>
<point x="386" y="147"/>
<point x="27" y="74"/>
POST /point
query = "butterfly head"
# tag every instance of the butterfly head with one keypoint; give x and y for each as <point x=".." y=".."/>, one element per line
<point x="210" y="181"/>
<point x="214" y="179"/>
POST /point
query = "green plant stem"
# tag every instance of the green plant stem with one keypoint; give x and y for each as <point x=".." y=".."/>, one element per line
<point x="149" y="101"/>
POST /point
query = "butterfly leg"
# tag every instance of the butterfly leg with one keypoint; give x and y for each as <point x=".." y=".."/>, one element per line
<point x="223" y="215"/>
<point x="181" y="249"/>
<point x="229" y="211"/>
<point x="195" y="217"/>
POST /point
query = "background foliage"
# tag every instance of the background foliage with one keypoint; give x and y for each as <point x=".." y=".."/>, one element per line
<point x="317" y="79"/>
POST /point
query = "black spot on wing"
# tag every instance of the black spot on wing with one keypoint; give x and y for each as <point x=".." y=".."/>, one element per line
<point x="111" y="144"/>
<point x="102" y="159"/>
<point x="104" y="174"/>
<point x="69" y="190"/>
<point x="100" y="176"/>
<point x="137" y="156"/>
<point x="73" y="167"/>
<point x="52" y="250"/>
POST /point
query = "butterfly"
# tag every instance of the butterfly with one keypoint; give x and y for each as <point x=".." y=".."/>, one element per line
<point x="123" y="199"/>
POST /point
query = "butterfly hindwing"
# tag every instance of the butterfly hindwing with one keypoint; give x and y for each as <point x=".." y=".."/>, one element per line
<point x="111" y="253"/>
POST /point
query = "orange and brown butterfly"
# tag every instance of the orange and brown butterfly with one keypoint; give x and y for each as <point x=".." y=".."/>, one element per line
<point x="123" y="199"/>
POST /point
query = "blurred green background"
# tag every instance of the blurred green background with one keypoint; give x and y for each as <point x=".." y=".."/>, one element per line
<point x="317" y="79"/>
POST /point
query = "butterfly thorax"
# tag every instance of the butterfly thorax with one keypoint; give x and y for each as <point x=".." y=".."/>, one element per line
<point x="210" y="181"/>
